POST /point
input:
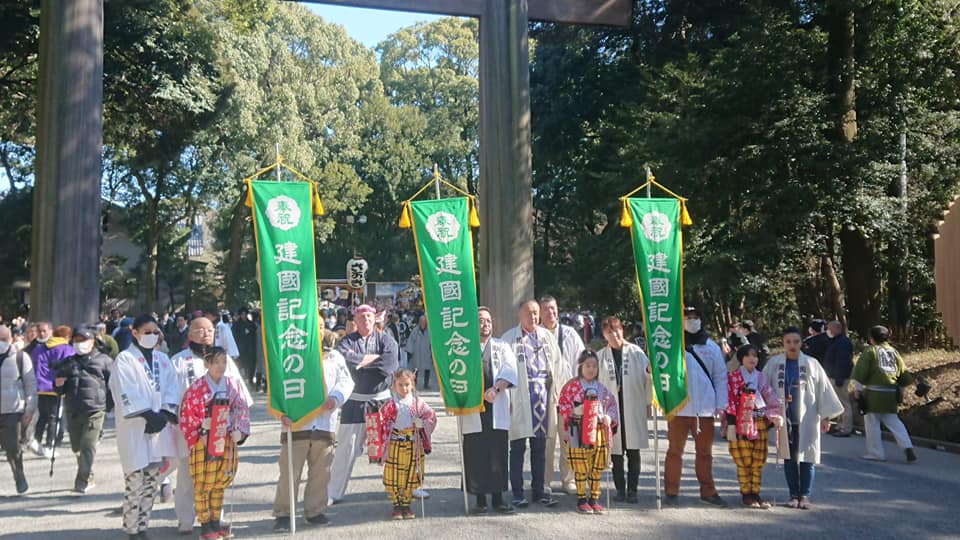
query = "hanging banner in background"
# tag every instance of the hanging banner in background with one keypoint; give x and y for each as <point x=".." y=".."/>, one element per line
<point x="441" y="233"/>
<point x="658" y="251"/>
<point x="292" y="330"/>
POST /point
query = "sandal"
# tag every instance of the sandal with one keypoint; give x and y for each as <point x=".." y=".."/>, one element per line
<point x="804" y="503"/>
<point x="794" y="502"/>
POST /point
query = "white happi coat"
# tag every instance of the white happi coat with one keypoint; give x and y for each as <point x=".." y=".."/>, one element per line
<point x="521" y="417"/>
<point x="503" y="364"/>
<point x="189" y="368"/>
<point x="636" y="394"/>
<point x="570" y="344"/>
<point x="818" y="401"/>
<point x="135" y="390"/>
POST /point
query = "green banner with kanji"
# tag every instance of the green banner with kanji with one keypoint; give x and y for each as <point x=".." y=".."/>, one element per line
<point x="658" y="251"/>
<point x="441" y="232"/>
<point x="292" y="331"/>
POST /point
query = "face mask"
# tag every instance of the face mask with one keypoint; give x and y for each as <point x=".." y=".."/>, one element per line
<point x="692" y="326"/>
<point x="83" y="347"/>
<point x="830" y="334"/>
<point x="42" y="339"/>
<point x="148" y="341"/>
<point x="4" y="347"/>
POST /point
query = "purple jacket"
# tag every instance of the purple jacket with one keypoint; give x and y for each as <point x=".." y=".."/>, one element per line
<point x="46" y="359"/>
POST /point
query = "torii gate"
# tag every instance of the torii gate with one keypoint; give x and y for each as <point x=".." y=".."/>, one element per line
<point x="69" y="140"/>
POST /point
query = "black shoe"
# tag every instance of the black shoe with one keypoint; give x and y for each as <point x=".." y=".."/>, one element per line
<point x="480" y="509"/>
<point x="671" y="501"/>
<point x="318" y="519"/>
<point x="714" y="501"/>
<point x="503" y="509"/>
<point x="911" y="455"/>
<point x="22" y="486"/>
<point x="841" y="434"/>
<point x="632" y="498"/>
<point x="620" y="496"/>
<point x="547" y="501"/>
<point x="281" y="524"/>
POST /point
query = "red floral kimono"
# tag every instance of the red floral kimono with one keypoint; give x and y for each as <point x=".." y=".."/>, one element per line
<point x="403" y="453"/>
<point x="587" y="462"/>
<point x="212" y="474"/>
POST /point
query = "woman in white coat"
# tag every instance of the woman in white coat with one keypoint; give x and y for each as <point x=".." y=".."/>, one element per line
<point x="486" y="434"/>
<point x="808" y="401"/>
<point x="625" y="370"/>
<point x="146" y="392"/>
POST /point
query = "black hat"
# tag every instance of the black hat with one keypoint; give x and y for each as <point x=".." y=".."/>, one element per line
<point x="84" y="332"/>
<point x="692" y="310"/>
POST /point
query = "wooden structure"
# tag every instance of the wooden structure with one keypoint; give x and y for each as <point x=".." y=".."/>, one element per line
<point x="69" y="141"/>
<point x="946" y="254"/>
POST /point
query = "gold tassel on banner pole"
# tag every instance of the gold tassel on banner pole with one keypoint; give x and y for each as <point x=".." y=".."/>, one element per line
<point x="626" y="219"/>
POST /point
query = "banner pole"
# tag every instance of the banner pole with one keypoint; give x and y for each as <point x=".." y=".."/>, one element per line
<point x="436" y="179"/>
<point x="293" y="491"/>
<point x="649" y="186"/>
<point x="463" y="470"/>
<point x="278" y="163"/>
<point x="656" y="451"/>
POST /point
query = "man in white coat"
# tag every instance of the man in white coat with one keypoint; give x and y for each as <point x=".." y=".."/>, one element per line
<point x="809" y="401"/>
<point x="146" y="392"/>
<point x="625" y="371"/>
<point x="570" y="345"/>
<point x="486" y="433"/>
<point x="533" y="418"/>
<point x="707" y="399"/>
<point x="420" y="357"/>
<point x="190" y="367"/>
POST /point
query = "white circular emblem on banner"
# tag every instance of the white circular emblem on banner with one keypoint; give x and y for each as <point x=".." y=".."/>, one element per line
<point x="443" y="227"/>
<point x="283" y="212"/>
<point x="656" y="226"/>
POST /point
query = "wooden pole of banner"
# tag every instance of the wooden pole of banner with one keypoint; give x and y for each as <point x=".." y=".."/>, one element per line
<point x="656" y="410"/>
<point x="293" y="481"/>
<point x="463" y="470"/>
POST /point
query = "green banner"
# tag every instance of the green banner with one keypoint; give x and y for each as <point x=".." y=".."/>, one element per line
<point x="658" y="250"/>
<point x="283" y="226"/>
<point x="444" y="246"/>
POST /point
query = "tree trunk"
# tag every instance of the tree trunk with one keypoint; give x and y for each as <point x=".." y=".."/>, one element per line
<point x="232" y="269"/>
<point x="841" y="67"/>
<point x="828" y="270"/>
<point x="862" y="280"/>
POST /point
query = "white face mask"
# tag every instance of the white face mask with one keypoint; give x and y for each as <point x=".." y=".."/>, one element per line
<point x="692" y="326"/>
<point x="830" y="334"/>
<point x="148" y="341"/>
<point x="42" y="339"/>
<point x="4" y="347"/>
<point x="83" y="347"/>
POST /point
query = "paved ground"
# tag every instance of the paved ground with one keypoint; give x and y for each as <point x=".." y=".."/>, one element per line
<point x="853" y="499"/>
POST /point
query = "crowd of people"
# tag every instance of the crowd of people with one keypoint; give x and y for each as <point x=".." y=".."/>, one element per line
<point x="178" y="386"/>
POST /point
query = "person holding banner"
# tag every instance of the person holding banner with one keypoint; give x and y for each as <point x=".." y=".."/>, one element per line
<point x="313" y="444"/>
<point x="570" y="344"/>
<point x="372" y="358"/>
<point x="588" y="412"/>
<point x="146" y="394"/>
<point x="808" y="402"/>
<point x="625" y="370"/>
<point x="191" y="367"/>
<point x="486" y="433"/>
<point x="214" y="420"/>
<point x="706" y="373"/>
<point x="533" y="417"/>
<point x="406" y="426"/>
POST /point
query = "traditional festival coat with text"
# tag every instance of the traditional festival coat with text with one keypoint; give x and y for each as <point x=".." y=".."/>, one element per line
<point x="637" y="394"/>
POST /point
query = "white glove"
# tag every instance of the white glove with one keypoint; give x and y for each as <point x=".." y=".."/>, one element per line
<point x="417" y="423"/>
<point x="236" y="435"/>
<point x="205" y="424"/>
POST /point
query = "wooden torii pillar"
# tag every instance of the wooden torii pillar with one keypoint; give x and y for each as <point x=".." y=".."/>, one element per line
<point x="506" y="185"/>
<point x="65" y="260"/>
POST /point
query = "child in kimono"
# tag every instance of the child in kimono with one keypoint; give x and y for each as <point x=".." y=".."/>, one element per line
<point x="407" y="423"/>
<point x="752" y="408"/>
<point x="589" y="414"/>
<point x="215" y="419"/>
